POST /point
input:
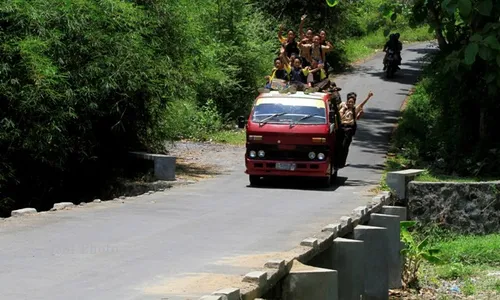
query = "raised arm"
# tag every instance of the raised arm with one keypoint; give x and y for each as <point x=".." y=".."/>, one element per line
<point x="280" y="34"/>
<point x="328" y="47"/>
<point x="284" y="57"/>
<point x="304" y="44"/>
<point x="301" y="27"/>
<point x="359" y="108"/>
<point x="370" y="94"/>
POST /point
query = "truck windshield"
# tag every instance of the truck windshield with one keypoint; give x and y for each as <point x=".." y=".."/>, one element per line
<point x="289" y="110"/>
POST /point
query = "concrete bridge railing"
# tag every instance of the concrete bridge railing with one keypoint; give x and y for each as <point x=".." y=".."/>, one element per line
<point x="358" y="258"/>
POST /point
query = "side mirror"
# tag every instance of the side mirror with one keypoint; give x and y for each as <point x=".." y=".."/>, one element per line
<point x="241" y="122"/>
<point x="331" y="116"/>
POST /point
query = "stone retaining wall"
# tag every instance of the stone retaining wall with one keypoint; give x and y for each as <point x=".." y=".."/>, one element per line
<point x="465" y="207"/>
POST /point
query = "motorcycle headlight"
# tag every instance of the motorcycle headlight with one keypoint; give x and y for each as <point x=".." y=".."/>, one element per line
<point x="312" y="155"/>
<point x="261" y="153"/>
<point x="321" y="156"/>
<point x="252" y="154"/>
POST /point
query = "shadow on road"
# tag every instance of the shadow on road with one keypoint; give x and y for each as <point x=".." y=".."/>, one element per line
<point x="424" y="50"/>
<point x="374" y="130"/>
<point x="190" y="170"/>
<point x="298" y="183"/>
<point x="408" y="74"/>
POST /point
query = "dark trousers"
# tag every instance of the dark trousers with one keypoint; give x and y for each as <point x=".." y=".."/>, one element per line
<point x="322" y="85"/>
<point x="299" y="86"/>
<point x="342" y="144"/>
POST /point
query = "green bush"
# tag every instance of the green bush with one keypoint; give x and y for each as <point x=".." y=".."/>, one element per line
<point x="416" y="132"/>
<point x="439" y="127"/>
<point x="83" y="82"/>
<point x="186" y="120"/>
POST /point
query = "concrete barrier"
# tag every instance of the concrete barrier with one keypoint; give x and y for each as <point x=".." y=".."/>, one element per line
<point x="62" y="206"/>
<point x="347" y="256"/>
<point x="306" y="282"/>
<point x="230" y="293"/>
<point x="376" y="258"/>
<point x="399" y="211"/>
<point x="164" y="165"/>
<point x="398" y="181"/>
<point x="391" y="223"/>
<point x="22" y="212"/>
<point x="330" y="266"/>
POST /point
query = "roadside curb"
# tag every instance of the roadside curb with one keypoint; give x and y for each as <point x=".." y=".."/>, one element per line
<point x="266" y="278"/>
<point x="22" y="212"/>
<point x="60" y="206"/>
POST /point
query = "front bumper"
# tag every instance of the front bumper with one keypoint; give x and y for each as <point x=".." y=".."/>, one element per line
<point x="302" y="168"/>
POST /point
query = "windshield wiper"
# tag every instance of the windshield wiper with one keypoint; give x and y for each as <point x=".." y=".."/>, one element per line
<point x="303" y="118"/>
<point x="265" y="120"/>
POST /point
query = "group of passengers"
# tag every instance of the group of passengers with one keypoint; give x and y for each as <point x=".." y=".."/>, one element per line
<point x="301" y="66"/>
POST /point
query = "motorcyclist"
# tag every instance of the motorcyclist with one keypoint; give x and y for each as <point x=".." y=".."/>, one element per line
<point x="395" y="45"/>
<point x="399" y="48"/>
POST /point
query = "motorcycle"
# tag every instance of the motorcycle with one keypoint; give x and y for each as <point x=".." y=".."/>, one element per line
<point x="391" y="64"/>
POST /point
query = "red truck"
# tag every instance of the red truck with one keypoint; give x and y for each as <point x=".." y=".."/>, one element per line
<point x="290" y="135"/>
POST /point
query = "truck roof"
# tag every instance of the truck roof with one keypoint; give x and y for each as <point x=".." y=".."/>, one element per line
<point x="313" y="96"/>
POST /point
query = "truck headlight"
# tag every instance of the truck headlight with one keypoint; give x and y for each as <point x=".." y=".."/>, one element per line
<point x="252" y="154"/>
<point x="312" y="155"/>
<point x="321" y="156"/>
<point x="261" y="153"/>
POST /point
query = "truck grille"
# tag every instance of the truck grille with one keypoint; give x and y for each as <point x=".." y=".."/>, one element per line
<point x="300" y="153"/>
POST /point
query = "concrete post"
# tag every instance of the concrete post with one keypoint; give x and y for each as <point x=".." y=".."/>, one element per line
<point x="376" y="251"/>
<point x="306" y="283"/>
<point x="349" y="262"/>
<point x="393" y="238"/>
<point x="399" y="211"/>
<point x="164" y="167"/>
<point x="229" y="293"/>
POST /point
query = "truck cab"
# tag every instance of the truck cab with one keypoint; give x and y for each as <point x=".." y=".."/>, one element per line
<point x="290" y="135"/>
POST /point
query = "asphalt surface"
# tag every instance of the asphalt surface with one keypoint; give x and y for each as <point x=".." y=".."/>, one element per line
<point x="130" y="250"/>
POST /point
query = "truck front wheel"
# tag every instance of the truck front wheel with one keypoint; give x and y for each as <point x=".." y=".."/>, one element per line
<point x="335" y="175"/>
<point x="254" y="180"/>
<point x="326" y="182"/>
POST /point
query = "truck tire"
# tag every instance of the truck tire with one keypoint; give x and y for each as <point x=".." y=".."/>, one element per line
<point x="254" y="180"/>
<point x="326" y="182"/>
<point x="335" y="175"/>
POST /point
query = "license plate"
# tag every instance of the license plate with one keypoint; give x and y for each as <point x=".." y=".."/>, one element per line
<point x="285" y="166"/>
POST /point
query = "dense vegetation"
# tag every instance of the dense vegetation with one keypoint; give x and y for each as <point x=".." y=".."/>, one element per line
<point x="449" y="123"/>
<point x="83" y="82"/>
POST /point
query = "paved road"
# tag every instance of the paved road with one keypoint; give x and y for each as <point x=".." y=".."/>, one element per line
<point x="141" y="249"/>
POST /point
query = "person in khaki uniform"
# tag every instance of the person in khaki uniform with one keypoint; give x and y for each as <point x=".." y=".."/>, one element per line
<point x="349" y="114"/>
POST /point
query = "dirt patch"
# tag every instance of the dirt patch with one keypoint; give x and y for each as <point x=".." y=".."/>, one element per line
<point x="194" y="285"/>
<point x="201" y="160"/>
<point x="300" y="267"/>
<point x="186" y="170"/>
<point x="255" y="261"/>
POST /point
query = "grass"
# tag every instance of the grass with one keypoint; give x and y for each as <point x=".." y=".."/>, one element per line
<point x="232" y="137"/>
<point x="467" y="262"/>
<point x="361" y="48"/>
<point x="398" y="162"/>
<point x="471" y="250"/>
